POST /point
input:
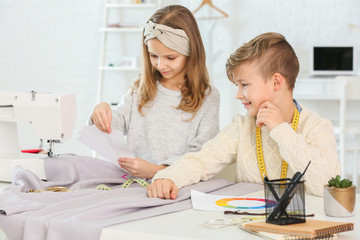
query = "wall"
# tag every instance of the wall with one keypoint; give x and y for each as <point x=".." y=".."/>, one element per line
<point x="51" y="46"/>
<point x="54" y="45"/>
<point x="304" y="23"/>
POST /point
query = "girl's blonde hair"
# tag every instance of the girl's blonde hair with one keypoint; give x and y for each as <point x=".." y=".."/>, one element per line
<point x="197" y="83"/>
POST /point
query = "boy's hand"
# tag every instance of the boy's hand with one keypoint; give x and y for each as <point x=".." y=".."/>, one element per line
<point x="162" y="188"/>
<point x="269" y="115"/>
<point x="139" y="167"/>
<point x="102" y="117"/>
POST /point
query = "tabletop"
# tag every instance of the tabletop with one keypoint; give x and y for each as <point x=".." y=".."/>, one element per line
<point x="187" y="225"/>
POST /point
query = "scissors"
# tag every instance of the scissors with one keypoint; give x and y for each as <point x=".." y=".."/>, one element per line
<point x="234" y="221"/>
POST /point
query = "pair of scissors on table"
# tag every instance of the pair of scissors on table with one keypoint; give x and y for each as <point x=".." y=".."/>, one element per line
<point x="234" y="221"/>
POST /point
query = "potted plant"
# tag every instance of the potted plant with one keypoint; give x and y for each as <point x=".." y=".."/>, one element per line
<point x="339" y="197"/>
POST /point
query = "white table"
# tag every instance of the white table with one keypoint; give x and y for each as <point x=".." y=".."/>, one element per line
<point x="186" y="225"/>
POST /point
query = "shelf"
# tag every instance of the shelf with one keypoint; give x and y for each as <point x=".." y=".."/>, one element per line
<point x="121" y="29"/>
<point x="119" y="68"/>
<point x="131" y="5"/>
<point x="119" y="19"/>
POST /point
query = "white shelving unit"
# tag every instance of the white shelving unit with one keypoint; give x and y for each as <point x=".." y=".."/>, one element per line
<point x="112" y="27"/>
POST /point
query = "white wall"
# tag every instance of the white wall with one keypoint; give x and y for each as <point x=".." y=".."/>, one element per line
<point x="54" y="45"/>
<point x="51" y="46"/>
<point x="304" y="23"/>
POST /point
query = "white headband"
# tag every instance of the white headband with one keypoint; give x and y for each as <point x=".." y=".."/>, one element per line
<point x="175" y="39"/>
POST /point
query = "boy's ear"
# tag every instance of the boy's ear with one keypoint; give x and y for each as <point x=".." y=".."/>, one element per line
<point x="278" y="81"/>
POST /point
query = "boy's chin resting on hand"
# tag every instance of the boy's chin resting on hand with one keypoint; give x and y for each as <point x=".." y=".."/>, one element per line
<point x="162" y="188"/>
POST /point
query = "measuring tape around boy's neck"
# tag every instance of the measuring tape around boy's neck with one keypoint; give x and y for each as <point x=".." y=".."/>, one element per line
<point x="260" y="153"/>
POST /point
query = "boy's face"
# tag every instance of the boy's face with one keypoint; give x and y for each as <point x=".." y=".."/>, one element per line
<point x="253" y="90"/>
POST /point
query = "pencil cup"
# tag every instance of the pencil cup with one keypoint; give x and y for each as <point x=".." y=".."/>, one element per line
<point x="285" y="201"/>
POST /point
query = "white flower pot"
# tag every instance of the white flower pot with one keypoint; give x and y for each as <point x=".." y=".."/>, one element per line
<point x="339" y="202"/>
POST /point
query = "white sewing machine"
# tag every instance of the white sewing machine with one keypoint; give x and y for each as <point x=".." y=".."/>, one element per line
<point x="52" y="118"/>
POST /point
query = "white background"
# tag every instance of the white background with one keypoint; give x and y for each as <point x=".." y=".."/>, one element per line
<point x="54" y="46"/>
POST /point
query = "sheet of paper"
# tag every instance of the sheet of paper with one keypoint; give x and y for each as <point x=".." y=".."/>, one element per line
<point x="110" y="146"/>
<point x="250" y="203"/>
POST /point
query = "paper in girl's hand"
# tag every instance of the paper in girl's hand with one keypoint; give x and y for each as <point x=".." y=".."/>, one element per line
<point x="110" y="146"/>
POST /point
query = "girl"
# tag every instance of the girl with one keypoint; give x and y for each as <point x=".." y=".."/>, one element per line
<point x="171" y="109"/>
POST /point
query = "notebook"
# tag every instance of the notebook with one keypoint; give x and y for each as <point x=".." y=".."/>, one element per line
<point x="275" y="236"/>
<point x="310" y="229"/>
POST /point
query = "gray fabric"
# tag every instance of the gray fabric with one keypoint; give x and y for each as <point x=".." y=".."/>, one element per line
<point x="163" y="135"/>
<point x="75" y="172"/>
<point x="82" y="214"/>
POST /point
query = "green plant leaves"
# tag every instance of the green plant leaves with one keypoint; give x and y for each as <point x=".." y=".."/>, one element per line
<point x="337" y="182"/>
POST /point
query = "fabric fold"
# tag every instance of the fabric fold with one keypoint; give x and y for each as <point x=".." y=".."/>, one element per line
<point x="82" y="213"/>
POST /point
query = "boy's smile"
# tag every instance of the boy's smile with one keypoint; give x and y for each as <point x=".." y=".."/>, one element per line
<point x="253" y="89"/>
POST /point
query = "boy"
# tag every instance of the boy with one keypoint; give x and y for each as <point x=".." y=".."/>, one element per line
<point x="276" y="138"/>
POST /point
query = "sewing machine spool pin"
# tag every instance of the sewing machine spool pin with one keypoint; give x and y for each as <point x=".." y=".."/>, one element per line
<point x="51" y="147"/>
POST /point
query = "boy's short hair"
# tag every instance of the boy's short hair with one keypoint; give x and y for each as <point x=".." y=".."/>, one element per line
<point x="273" y="54"/>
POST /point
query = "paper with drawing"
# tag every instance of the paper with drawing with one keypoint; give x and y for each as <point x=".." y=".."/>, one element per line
<point x="254" y="202"/>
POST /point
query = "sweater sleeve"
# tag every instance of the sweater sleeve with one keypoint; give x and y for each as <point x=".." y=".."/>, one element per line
<point x="211" y="159"/>
<point x="317" y="144"/>
<point x="208" y="125"/>
<point x="120" y="114"/>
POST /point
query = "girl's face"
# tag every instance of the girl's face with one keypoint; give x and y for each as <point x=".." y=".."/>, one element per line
<point x="253" y="90"/>
<point x="169" y="63"/>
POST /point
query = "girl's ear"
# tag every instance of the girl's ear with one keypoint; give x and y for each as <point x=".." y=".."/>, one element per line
<point x="278" y="81"/>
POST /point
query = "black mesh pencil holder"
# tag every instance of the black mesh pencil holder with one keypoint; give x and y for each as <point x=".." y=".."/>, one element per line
<point x="285" y="201"/>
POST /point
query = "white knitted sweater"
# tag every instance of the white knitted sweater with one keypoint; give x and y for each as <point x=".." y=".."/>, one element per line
<point x="314" y="140"/>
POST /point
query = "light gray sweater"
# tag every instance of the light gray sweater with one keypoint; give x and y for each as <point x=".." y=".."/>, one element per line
<point x="164" y="133"/>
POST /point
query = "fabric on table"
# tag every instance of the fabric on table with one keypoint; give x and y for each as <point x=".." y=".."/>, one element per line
<point x="82" y="213"/>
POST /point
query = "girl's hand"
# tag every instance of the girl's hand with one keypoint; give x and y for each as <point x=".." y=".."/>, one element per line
<point x="102" y="117"/>
<point x="163" y="188"/>
<point x="269" y="115"/>
<point x="139" y="167"/>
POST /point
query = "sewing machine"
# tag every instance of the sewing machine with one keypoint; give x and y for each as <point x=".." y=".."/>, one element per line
<point x="52" y="118"/>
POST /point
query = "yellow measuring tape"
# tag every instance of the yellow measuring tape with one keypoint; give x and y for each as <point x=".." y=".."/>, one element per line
<point x="128" y="182"/>
<point x="260" y="153"/>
